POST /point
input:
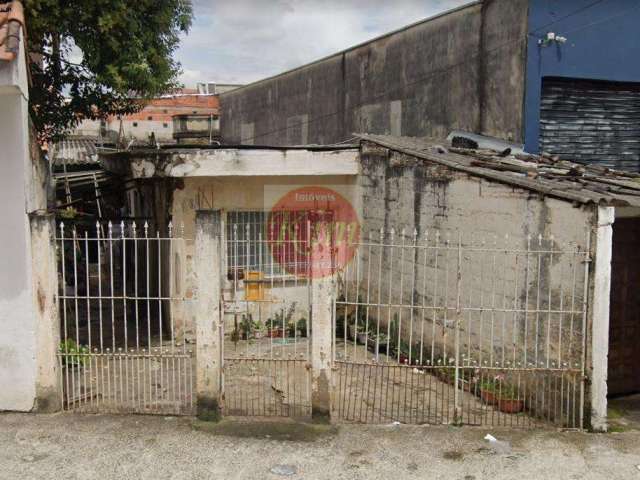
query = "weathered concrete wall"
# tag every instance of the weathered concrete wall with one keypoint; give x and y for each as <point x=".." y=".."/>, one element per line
<point x="506" y="318"/>
<point x="28" y="314"/>
<point x="463" y="70"/>
<point x="18" y="339"/>
<point x="399" y="192"/>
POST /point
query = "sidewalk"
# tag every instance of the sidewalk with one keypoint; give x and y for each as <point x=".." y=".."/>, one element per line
<point x="141" y="447"/>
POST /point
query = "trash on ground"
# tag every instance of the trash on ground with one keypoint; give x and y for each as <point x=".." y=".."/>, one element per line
<point x="284" y="470"/>
<point x="498" y="446"/>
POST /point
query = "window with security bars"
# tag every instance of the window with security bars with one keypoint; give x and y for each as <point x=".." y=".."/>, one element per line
<point x="271" y="243"/>
<point x="247" y="249"/>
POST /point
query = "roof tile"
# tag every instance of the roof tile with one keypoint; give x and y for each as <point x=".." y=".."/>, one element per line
<point x="11" y="20"/>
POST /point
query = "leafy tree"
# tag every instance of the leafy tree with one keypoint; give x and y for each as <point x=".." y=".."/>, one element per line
<point x="94" y="58"/>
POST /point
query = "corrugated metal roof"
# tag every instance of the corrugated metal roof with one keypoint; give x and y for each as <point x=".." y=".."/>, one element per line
<point x="575" y="182"/>
<point x="75" y="151"/>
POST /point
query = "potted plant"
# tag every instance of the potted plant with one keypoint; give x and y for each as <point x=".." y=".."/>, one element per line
<point x="497" y="392"/>
<point x="361" y="335"/>
<point x="302" y="327"/>
<point x="291" y="329"/>
<point x="380" y="340"/>
<point x="257" y="329"/>
<point x="275" y="328"/>
<point x="246" y="327"/>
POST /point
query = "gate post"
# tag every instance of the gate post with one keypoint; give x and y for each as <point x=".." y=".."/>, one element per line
<point x="322" y="293"/>
<point x="208" y="319"/>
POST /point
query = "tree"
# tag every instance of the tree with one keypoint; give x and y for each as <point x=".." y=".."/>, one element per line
<point x="95" y="58"/>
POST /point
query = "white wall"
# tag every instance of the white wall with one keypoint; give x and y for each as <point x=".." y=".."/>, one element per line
<point x="18" y="366"/>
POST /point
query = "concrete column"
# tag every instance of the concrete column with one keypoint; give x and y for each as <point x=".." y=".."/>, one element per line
<point x="208" y="260"/>
<point x="323" y="290"/>
<point x="45" y="286"/>
<point x="600" y="318"/>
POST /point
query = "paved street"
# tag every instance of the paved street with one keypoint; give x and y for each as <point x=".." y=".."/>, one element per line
<point x="141" y="447"/>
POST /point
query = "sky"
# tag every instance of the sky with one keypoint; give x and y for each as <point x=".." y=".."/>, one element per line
<point x="241" y="41"/>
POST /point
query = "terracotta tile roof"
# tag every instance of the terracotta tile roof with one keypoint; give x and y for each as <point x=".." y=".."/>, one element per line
<point x="11" y="19"/>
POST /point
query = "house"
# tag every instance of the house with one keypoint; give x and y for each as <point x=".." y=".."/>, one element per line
<point x="161" y="117"/>
<point x="542" y="248"/>
<point x="555" y="77"/>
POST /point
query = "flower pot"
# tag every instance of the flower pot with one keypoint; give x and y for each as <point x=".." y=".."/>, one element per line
<point x="362" y="338"/>
<point x="276" y="333"/>
<point x="510" y="405"/>
<point x="488" y="397"/>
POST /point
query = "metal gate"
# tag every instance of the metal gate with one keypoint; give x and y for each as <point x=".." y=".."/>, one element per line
<point x="437" y="328"/>
<point x="267" y="318"/>
<point x="122" y="340"/>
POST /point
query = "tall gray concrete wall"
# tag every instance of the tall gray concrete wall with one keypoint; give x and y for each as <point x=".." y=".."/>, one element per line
<point x="463" y="70"/>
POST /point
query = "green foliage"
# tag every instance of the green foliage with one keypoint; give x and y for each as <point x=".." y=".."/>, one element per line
<point x="68" y="213"/>
<point x="246" y="326"/>
<point x="74" y="353"/>
<point x="90" y="57"/>
<point x="302" y="326"/>
<point x="499" y="387"/>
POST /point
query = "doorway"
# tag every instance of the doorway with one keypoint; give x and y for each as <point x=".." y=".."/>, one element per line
<point x="624" y="321"/>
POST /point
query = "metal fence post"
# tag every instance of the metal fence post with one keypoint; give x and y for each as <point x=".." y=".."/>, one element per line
<point x="456" y="394"/>
<point x="208" y="259"/>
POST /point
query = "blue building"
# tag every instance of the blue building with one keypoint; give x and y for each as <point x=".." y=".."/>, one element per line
<point x="582" y="94"/>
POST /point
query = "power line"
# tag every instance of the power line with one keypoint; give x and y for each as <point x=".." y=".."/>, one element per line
<point x="433" y="73"/>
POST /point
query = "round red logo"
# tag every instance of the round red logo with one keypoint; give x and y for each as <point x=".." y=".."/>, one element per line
<point x="313" y="232"/>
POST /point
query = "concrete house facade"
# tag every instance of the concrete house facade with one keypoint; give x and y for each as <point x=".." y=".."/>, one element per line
<point x="552" y="76"/>
<point x="555" y="225"/>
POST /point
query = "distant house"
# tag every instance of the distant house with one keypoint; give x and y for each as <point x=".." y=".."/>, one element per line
<point x="157" y="121"/>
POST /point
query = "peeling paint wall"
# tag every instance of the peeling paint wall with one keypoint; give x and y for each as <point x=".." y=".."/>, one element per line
<point x="460" y="71"/>
<point x="401" y="192"/>
<point x="28" y="283"/>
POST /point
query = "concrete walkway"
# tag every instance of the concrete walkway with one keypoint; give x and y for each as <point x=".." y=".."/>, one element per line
<point x="140" y="447"/>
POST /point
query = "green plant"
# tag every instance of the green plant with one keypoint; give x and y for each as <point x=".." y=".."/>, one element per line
<point x="73" y="353"/>
<point x="246" y="326"/>
<point x="291" y="329"/>
<point x="302" y="326"/>
<point x="68" y="213"/>
<point x="500" y="388"/>
<point x="275" y="322"/>
<point x="87" y="57"/>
